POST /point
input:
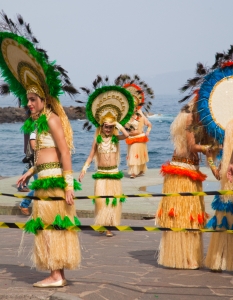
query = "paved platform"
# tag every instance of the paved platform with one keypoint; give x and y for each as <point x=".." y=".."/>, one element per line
<point x="123" y="267"/>
<point x="134" y="208"/>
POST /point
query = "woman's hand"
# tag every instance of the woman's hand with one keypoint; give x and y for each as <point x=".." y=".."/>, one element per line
<point x="230" y="172"/>
<point x="81" y="176"/>
<point x="216" y="173"/>
<point x="23" y="179"/>
<point x="69" y="197"/>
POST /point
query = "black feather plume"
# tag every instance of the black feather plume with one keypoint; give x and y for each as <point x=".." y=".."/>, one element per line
<point x="20" y="19"/>
<point x="86" y="90"/>
<point x="89" y="127"/>
<point x="70" y="89"/>
<point x="28" y="28"/>
<point x="86" y="124"/>
<point x="4" y="89"/>
<point x="185" y="98"/>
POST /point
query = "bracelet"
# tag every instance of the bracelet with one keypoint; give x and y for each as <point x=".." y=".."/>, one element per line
<point x="119" y="126"/>
<point x="68" y="176"/>
<point x="33" y="170"/>
<point x="85" y="167"/>
<point x="205" y="148"/>
<point x="211" y="163"/>
<point x="148" y="129"/>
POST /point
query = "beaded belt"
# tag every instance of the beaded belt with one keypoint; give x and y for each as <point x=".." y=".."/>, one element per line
<point x="47" y="166"/>
<point x="107" y="168"/>
<point x="185" y="160"/>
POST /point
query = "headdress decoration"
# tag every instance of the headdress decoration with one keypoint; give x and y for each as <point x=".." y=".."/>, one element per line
<point x="140" y="91"/>
<point x="107" y="103"/>
<point x="214" y="86"/>
<point x="25" y="66"/>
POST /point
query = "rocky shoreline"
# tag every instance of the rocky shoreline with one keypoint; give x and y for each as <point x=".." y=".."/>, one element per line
<point x="17" y="114"/>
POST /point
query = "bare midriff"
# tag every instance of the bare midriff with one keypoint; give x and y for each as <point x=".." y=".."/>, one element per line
<point x="107" y="159"/>
<point x="47" y="155"/>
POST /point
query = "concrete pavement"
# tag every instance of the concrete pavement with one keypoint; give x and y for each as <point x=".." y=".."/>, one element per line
<point x="121" y="267"/>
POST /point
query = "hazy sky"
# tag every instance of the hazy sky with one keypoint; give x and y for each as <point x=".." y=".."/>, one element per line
<point x="109" y="37"/>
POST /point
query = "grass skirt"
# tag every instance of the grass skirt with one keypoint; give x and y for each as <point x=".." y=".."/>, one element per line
<point x="54" y="249"/>
<point x="220" y="250"/>
<point x="108" y="215"/>
<point x="181" y="249"/>
<point x="137" y="157"/>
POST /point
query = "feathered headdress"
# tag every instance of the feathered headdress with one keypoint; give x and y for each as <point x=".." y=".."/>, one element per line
<point x="107" y="103"/>
<point x="141" y="92"/>
<point x="25" y="67"/>
<point x="214" y="86"/>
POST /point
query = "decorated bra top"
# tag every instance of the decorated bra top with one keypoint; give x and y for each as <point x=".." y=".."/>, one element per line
<point x="45" y="140"/>
<point x="107" y="146"/>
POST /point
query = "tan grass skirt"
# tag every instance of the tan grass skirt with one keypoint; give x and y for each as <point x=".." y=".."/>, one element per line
<point x="107" y="215"/>
<point x="180" y="249"/>
<point x="137" y="157"/>
<point x="54" y="249"/>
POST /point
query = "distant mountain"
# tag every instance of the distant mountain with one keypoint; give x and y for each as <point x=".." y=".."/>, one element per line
<point x="169" y="83"/>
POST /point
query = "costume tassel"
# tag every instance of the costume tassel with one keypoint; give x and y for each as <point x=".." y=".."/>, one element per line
<point x="224" y="223"/>
<point x="67" y="222"/>
<point x="212" y="223"/>
<point x="33" y="225"/>
<point x="171" y="213"/>
<point x="123" y="200"/>
<point x="77" y="221"/>
<point x="107" y="201"/>
<point x="114" y="202"/>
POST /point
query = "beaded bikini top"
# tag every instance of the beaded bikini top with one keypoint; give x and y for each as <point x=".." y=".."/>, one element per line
<point x="45" y="140"/>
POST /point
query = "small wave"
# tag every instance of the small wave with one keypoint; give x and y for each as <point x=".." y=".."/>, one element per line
<point x="161" y="117"/>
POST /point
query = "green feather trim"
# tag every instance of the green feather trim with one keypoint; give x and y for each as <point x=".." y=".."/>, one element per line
<point x="114" y="202"/>
<point x="118" y="175"/>
<point x="67" y="223"/>
<point x="123" y="200"/>
<point x="104" y="89"/>
<point x="42" y="124"/>
<point x="52" y="76"/>
<point x="107" y="201"/>
<point x="29" y="126"/>
<point x="99" y="139"/>
<point x="93" y="201"/>
<point x="33" y="225"/>
<point x="114" y="140"/>
<point x="52" y="182"/>
<point x="77" y="221"/>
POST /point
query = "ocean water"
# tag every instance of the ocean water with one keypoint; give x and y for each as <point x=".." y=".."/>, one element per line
<point x="160" y="148"/>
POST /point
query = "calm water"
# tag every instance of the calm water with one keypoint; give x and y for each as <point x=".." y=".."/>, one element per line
<point x="160" y="147"/>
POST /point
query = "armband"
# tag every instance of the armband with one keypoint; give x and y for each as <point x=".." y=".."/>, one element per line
<point x="68" y="176"/>
<point x="85" y="167"/>
<point x="211" y="163"/>
<point x="119" y="126"/>
<point x="33" y="170"/>
<point x="148" y="129"/>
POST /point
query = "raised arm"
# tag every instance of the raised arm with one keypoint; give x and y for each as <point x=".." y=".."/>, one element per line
<point x="124" y="134"/>
<point x="88" y="161"/>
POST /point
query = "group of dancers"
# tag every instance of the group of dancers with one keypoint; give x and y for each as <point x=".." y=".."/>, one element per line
<point x="30" y="76"/>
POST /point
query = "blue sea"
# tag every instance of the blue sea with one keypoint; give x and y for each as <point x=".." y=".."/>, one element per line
<point x="165" y="108"/>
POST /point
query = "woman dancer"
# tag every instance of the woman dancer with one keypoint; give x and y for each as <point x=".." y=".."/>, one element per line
<point x="183" y="249"/>
<point x="106" y="108"/>
<point x="31" y="77"/>
<point x="137" y="153"/>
